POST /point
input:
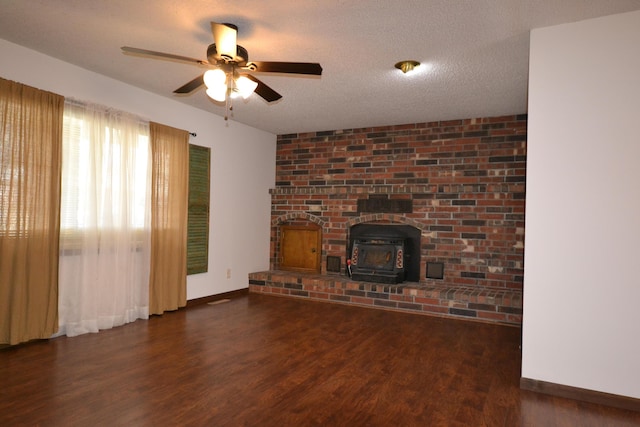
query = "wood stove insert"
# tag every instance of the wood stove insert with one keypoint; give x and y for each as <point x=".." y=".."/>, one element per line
<point x="384" y="253"/>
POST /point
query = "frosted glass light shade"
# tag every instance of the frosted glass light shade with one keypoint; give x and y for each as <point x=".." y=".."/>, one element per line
<point x="213" y="78"/>
<point x="218" y="93"/>
<point x="245" y="86"/>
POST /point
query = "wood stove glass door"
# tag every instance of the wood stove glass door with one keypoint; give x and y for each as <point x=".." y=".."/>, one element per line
<point x="300" y="248"/>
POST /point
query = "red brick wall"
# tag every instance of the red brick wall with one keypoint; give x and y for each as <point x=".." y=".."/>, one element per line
<point x="466" y="180"/>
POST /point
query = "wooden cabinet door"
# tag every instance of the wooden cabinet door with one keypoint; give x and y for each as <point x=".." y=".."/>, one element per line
<point x="300" y="248"/>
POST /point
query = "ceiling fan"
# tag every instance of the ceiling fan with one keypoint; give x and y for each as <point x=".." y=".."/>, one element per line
<point x="229" y="76"/>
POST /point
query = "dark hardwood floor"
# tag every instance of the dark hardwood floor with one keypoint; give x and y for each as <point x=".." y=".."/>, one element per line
<point x="267" y="361"/>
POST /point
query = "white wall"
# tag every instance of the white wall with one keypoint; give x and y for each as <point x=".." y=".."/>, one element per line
<point x="581" y="323"/>
<point x="242" y="161"/>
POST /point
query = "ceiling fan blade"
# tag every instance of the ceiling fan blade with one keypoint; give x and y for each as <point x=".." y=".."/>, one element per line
<point x="225" y="37"/>
<point x="191" y="86"/>
<point x="263" y="90"/>
<point x="128" y="49"/>
<point x="286" y="67"/>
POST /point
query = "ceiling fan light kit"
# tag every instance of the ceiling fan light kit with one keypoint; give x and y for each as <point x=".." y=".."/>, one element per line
<point x="407" y="66"/>
<point x="229" y="75"/>
<point x="220" y="85"/>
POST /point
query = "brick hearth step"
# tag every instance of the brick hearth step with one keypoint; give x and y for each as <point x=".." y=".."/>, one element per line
<point x="481" y="304"/>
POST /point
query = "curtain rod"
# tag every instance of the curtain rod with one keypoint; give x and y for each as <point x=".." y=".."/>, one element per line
<point x="80" y="103"/>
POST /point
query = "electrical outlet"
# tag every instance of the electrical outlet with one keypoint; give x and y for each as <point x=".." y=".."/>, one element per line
<point x="228" y="273"/>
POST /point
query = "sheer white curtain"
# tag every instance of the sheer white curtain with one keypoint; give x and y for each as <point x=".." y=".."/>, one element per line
<point x="105" y="220"/>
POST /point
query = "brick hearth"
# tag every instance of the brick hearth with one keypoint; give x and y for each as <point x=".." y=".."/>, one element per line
<point x="491" y="305"/>
<point x="460" y="182"/>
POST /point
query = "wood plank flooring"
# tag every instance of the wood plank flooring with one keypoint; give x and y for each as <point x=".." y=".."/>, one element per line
<point x="266" y="361"/>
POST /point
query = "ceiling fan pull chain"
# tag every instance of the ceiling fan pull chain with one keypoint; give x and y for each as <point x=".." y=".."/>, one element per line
<point x="227" y="100"/>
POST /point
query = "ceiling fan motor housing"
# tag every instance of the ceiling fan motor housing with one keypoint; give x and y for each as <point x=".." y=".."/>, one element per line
<point x="241" y="58"/>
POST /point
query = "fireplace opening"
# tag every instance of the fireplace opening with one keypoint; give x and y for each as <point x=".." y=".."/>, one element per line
<point x="384" y="253"/>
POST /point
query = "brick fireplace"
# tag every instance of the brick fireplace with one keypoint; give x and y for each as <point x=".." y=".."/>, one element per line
<point x="460" y="184"/>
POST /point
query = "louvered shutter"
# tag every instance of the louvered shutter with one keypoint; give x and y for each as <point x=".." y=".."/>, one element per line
<point x="198" y="227"/>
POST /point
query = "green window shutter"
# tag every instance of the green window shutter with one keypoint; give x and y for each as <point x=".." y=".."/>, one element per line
<point x="198" y="227"/>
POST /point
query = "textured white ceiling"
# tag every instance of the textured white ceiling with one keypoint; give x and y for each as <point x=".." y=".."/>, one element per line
<point x="474" y="52"/>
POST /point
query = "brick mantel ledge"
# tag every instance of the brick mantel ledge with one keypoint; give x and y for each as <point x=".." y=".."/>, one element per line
<point x="502" y="306"/>
<point x="355" y="189"/>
